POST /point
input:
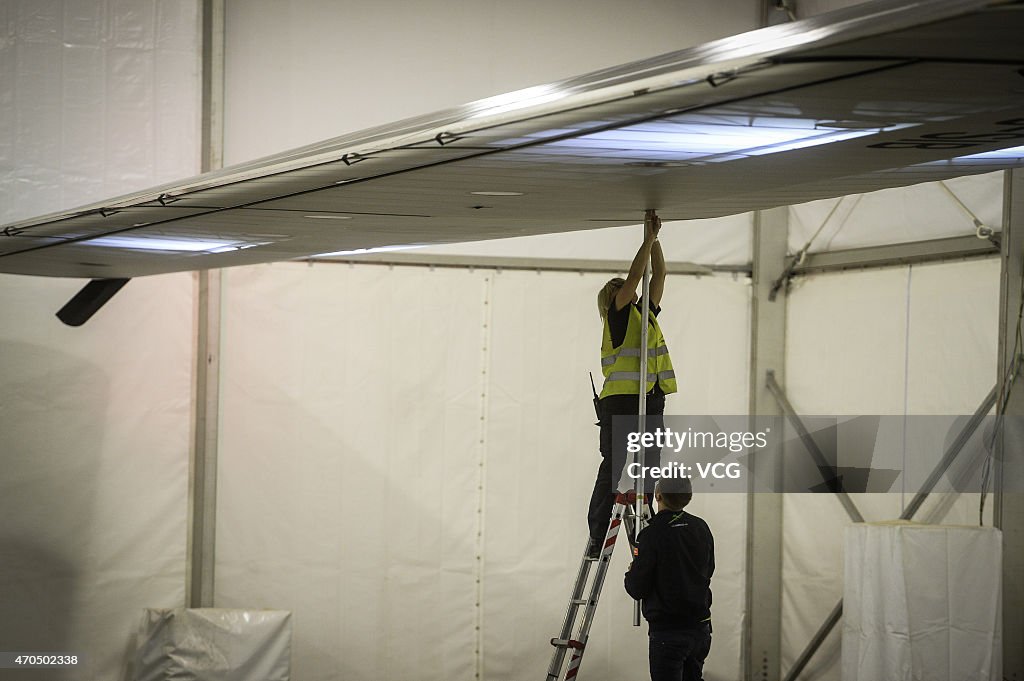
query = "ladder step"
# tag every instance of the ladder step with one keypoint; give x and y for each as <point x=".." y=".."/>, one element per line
<point x="566" y="643"/>
<point x="579" y="601"/>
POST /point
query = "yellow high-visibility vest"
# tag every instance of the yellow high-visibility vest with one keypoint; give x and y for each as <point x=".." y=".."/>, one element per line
<point x="621" y="365"/>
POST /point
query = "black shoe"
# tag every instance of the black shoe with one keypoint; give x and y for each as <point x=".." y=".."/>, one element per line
<point x="594" y="548"/>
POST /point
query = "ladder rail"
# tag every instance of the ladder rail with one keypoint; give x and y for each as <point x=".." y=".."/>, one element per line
<point x="620" y="514"/>
<point x="555" y="667"/>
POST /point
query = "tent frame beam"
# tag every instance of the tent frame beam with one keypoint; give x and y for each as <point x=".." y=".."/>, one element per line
<point x="894" y="255"/>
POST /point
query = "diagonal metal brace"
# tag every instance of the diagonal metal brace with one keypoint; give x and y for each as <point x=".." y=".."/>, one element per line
<point x="954" y="451"/>
<point x="819" y="459"/>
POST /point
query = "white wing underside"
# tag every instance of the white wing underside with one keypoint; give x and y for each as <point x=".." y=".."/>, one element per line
<point x="881" y="95"/>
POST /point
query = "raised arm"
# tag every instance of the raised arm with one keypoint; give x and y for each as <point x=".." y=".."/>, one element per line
<point x="636" y="269"/>
<point x="657" y="267"/>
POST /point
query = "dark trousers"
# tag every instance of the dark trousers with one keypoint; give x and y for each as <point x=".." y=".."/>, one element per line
<point x="614" y="455"/>
<point x="679" y="655"/>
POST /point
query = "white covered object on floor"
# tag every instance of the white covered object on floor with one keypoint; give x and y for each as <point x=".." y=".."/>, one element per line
<point x="214" y="644"/>
<point x="922" y="603"/>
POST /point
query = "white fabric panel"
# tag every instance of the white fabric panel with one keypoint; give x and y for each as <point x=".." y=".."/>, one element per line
<point x="922" y="603"/>
<point x="94" y="421"/>
<point x="916" y="213"/>
<point x="292" y="79"/>
<point x="845" y="343"/>
<point x="94" y="438"/>
<point x="440" y="381"/>
<point x="96" y="99"/>
<point x="214" y="644"/>
<point x="953" y="336"/>
<point x="350" y="464"/>
<point x="855" y="346"/>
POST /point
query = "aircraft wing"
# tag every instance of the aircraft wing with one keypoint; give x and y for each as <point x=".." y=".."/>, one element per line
<point x="879" y="95"/>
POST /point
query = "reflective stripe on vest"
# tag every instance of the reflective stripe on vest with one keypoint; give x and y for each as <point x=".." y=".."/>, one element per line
<point x="633" y="352"/>
<point x="635" y="376"/>
<point x="621" y="365"/>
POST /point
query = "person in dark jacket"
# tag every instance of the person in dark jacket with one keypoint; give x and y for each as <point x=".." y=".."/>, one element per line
<point x="671" y="573"/>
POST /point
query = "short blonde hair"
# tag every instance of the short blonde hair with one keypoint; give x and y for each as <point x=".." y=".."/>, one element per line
<point x="607" y="293"/>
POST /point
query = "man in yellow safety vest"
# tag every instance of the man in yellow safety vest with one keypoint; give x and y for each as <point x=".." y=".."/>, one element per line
<point x="618" y="305"/>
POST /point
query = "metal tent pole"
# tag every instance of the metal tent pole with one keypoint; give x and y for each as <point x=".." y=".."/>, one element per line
<point x="202" y="503"/>
<point x="645" y="311"/>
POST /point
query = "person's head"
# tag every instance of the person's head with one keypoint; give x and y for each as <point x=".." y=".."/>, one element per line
<point x="607" y="295"/>
<point x="673" y="494"/>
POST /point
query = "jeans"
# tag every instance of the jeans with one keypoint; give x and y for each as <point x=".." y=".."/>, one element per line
<point x="679" y="655"/>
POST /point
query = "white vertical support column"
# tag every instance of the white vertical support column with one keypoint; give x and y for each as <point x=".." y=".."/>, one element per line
<point x="1008" y="510"/>
<point x="762" y="629"/>
<point x="202" y="509"/>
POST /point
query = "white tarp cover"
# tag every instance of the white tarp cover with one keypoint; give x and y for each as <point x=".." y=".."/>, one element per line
<point x="922" y="603"/>
<point x="214" y="644"/>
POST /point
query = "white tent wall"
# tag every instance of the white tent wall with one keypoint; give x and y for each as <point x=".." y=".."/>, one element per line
<point x="302" y="71"/>
<point x="914" y="340"/>
<point x="96" y="98"/>
<point x="410" y="476"/>
<point x="94" y="429"/>
<point x="99" y="98"/>
<point x="355" y="620"/>
<point x="907" y="214"/>
<point x="348" y="490"/>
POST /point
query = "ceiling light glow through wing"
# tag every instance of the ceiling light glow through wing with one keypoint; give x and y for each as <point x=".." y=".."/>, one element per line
<point x="171" y="245"/>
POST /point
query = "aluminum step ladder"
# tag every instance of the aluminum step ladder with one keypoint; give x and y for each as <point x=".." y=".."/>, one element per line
<point x="623" y="512"/>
